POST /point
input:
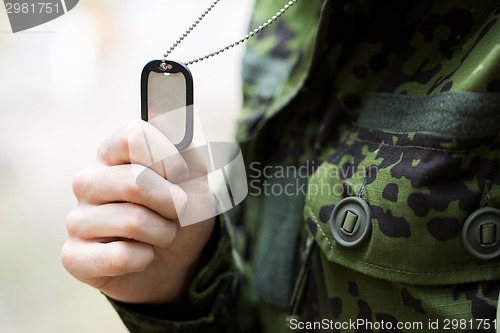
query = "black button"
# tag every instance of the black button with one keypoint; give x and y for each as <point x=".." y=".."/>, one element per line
<point x="350" y="223"/>
<point x="481" y="233"/>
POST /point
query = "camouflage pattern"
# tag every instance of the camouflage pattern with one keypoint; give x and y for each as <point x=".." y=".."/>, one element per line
<point x="311" y="81"/>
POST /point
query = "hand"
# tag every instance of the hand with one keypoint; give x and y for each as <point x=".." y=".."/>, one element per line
<point x="124" y="235"/>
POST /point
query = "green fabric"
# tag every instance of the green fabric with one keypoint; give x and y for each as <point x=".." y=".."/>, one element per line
<point x="454" y="113"/>
<point x="266" y="74"/>
<point x="277" y="242"/>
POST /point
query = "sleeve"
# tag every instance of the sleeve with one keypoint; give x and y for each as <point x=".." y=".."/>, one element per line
<point x="211" y="294"/>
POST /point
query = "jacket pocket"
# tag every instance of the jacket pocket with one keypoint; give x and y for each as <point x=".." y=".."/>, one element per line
<point x="423" y="165"/>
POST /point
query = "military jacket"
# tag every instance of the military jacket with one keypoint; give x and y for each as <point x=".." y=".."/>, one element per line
<point x="371" y="136"/>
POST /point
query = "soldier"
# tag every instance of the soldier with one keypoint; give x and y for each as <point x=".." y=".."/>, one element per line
<point x="392" y="108"/>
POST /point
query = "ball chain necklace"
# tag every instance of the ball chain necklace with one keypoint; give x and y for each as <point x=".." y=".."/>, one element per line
<point x="239" y="41"/>
<point x="167" y="85"/>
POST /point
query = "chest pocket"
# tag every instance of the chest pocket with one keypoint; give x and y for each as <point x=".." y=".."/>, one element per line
<point x="424" y="166"/>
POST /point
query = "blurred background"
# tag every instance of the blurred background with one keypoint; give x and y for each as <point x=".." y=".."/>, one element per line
<point x="64" y="87"/>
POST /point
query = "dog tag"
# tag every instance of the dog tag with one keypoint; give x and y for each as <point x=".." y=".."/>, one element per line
<point x="167" y="100"/>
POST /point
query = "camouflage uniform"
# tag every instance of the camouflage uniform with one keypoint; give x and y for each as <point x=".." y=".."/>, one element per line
<point x="396" y="103"/>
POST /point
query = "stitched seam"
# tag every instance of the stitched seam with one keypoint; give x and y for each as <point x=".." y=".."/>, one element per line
<point x="315" y="220"/>
<point x="413" y="147"/>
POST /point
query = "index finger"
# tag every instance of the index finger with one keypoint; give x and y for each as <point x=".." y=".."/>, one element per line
<point x="141" y="143"/>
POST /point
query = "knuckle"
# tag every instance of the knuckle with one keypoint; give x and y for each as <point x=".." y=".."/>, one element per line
<point x="176" y="168"/>
<point x="168" y="235"/>
<point x="68" y="257"/>
<point x="81" y="183"/>
<point x="135" y="221"/>
<point x="73" y="222"/>
<point x="103" y="148"/>
<point x="118" y="259"/>
<point x="133" y="192"/>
